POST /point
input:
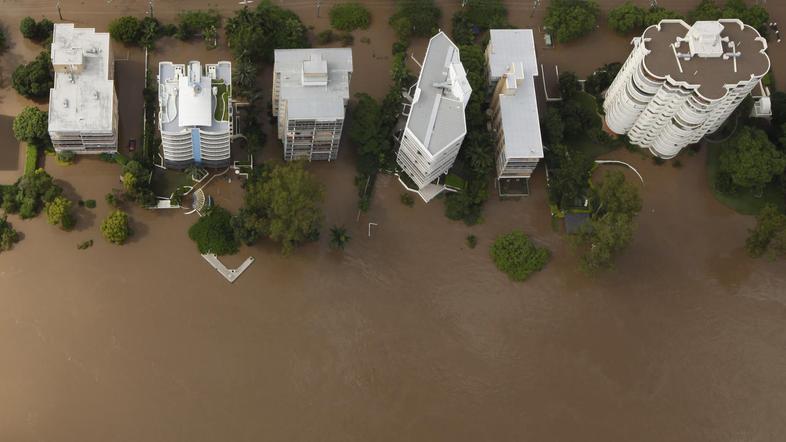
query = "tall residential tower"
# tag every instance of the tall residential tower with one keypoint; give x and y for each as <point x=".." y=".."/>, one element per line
<point x="195" y="113"/>
<point x="83" y="103"/>
<point x="682" y="82"/>
<point x="310" y="94"/>
<point x="512" y="68"/>
<point x="436" y="125"/>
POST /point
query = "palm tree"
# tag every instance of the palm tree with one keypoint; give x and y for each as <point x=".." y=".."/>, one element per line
<point x="339" y="237"/>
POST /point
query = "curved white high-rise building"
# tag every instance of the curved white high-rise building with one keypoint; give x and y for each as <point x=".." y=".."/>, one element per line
<point x="682" y="82"/>
<point x="195" y="113"/>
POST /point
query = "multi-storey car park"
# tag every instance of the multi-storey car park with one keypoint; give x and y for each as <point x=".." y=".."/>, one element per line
<point x="436" y="124"/>
<point x="310" y="94"/>
<point x="682" y="82"/>
<point x="82" y="103"/>
<point x="195" y="113"/>
<point x="512" y="68"/>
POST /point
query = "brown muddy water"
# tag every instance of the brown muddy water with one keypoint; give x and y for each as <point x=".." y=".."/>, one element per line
<point x="407" y="335"/>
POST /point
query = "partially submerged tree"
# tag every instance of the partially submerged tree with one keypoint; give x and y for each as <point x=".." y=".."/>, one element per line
<point x="349" y="16"/>
<point x="31" y="125"/>
<point x="339" y="238"/>
<point x="627" y="18"/>
<point x="8" y="236"/>
<point x="213" y="233"/>
<point x="255" y="33"/>
<point x="126" y="29"/>
<point x="35" y="79"/>
<point x="58" y="213"/>
<point x="415" y="18"/>
<point x="571" y="19"/>
<point x="517" y="256"/>
<point x="115" y="227"/>
<point x="749" y="161"/>
<point x="769" y="235"/>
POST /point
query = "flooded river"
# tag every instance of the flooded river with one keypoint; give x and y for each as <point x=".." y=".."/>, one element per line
<point x="407" y="335"/>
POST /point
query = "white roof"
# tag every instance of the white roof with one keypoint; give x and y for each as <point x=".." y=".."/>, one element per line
<point x="82" y="99"/>
<point x="194" y="97"/>
<point x="441" y="94"/>
<point x="519" y="106"/>
<point x="185" y="95"/>
<point x="314" y="82"/>
<point x="704" y="39"/>
<point x="508" y="46"/>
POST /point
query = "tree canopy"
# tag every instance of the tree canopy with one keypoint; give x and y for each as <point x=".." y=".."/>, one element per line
<point x="198" y="22"/>
<point x="255" y="33"/>
<point x="35" y="79"/>
<point x="213" y="233"/>
<point x="8" y="236"/>
<point x="31" y="125"/>
<point x="349" y="16"/>
<point x="126" y="29"/>
<point x="58" y="213"/>
<point x="627" y="18"/>
<point x="754" y="15"/>
<point x="136" y="183"/>
<point x="38" y="31"/>
<point x="478" y="16"/>
<point x="616" y="195"/>
<point x="415" y="18"/>
<point x="115" y="227"/>
<point x="283" y="202"/>
<point x="569" y="172"/>
<point x="749" y="160"/>
<point x="30" y="193"/>
<point x="571" y="19"/>
<point x="515" y="255"/>
<point x="769" y="235"/>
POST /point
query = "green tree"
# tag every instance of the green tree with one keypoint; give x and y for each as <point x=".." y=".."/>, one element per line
<point x="753" y="15"/>
<point x="571" y="19"/>
<point x="126" y="29"/>
<point x="769" y="235"/>
<point x="602" y="239"/>
<point x="30" y="193"/>
<point x="552" y="127"/>
<point x="283" y="203"/>
<point x="366" y="131"/>
<point x="136" y="183"/>
<point x="193" y="23"/>
<point x="115" y="227"/>
<point x="8" y="236"/>
<point x="478" y="15"/>
<point x="58" y="212"/>
<point x="213" y="233"/>
<point x="33" y="80"/>
<point x="627" y="18"/>
<point x="415" y="18"/>
<point x="601" y="79"/>
<point x="750" y="161"/>
<point x="569" y="173"/>
<point x="656" y="14"/>
<point x="515" y="255"/>
<point x="616" y="195"/>
<point x="31" y="125"/>
<point x="29" y="28"/>
<point x="349" y="16"/>
<point x="255" y="33"/>
<point x="339" y="238"/>
<point x="705" y="10"/>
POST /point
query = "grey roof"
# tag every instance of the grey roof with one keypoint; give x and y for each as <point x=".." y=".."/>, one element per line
<point x="508" y="46"/>
<point x="519" y="107"/>
<point x="181" y="104"/>
<point x="327" y="74"/>
<point x="709" y="74"/>
<point x="82" y="99"/>
<point x="437" y="114"/>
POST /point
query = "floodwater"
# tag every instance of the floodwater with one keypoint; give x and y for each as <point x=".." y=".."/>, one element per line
<point x="407" y="335"/>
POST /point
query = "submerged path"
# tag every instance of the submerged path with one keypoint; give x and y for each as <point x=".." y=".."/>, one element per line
<point x="230" y="274"/>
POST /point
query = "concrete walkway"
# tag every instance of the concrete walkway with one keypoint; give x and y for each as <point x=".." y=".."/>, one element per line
<point x="230" y="274"/>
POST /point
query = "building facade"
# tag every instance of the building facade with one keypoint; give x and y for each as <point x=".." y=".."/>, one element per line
<point x="310" y="95"/>
<point x="682" y="82"/>
<point x="195" y="114"/>
<point x="435" y="126"/>
<point x="512" y="68"/>
<point x="83" y="102"/>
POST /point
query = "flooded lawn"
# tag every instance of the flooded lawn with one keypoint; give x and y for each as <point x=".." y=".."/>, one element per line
<point x="408" y="334"/>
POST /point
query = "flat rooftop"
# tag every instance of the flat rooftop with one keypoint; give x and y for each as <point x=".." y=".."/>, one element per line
<point x="508" y="46"/>
<point x="518" y="110"/>
<point x="437" y="114"/>
<point x="314" y="82"/>
<point x="705" y="70"/>
<point x="187" y="98"/>
<point x="82" y="99"/>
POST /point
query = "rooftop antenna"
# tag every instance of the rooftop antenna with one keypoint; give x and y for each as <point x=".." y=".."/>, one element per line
<point x="733" y="54"/>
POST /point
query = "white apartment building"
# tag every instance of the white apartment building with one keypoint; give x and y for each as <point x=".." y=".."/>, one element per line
<point x="512" y="68"/>
<point x="436" y="125"/>
<point x="682" y="82"/>
<point x="310" y="94"/>
<point x="195" y="113"/>
<point x="83" y="103"/>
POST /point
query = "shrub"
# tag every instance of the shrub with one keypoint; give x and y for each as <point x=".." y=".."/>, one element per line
<point x="213" y="233"/>
<point x="8" y="236"/>
<point x="112" y="200"/>
<point x="85" y="244"/>
<point x="66" y="156"/>
<point x="90" y="204"/>
<point x="31" y="158"/>
<point x="339" y="238"/>
<point x="29" y="28"/>
<point x="115" y="227"/>
<point x="326" y="37"/>
<point x="515" y="255"/>
<point x="126" y="30"/>
<point x="349" y="16"/>
<point x="204" y="23"/>
<point x="407" y="200"/>
<point x="571" y="19"/>
<point x="472" y="241"/>
<point x="33" y="80"/>
<point x="346" y="39"/>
